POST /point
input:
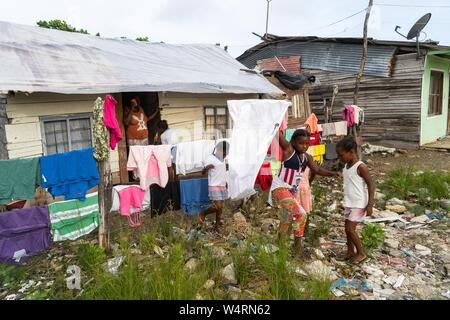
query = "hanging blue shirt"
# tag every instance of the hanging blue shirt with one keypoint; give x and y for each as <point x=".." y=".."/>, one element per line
<point x="69" y="174"/>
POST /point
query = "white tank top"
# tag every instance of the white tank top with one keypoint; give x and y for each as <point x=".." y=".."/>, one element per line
<point x="355" y="188"/>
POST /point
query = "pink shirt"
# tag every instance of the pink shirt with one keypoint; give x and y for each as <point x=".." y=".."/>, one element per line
<point x="150" y="163"/>
<point x="109" y="117"/>
<point x="130" y="197"/>
<point x="349" y="115"/>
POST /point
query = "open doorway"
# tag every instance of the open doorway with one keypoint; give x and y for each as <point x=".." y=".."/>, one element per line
<point x="149" y="103"/>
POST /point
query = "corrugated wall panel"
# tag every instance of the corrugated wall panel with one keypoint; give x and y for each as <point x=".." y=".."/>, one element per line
<point x="392" y="105"/>
<point x="329" y="56"/>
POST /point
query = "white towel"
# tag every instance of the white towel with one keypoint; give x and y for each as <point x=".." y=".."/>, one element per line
<point x="256" y="122"/>
<point x="191" y="156"/>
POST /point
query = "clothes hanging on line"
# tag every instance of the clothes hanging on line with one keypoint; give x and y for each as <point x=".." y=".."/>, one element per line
<point x="329" y="129"/>
<point x="312" y="123"/>
<point x="288" y="133"/>
<point x="191" y="156"/>
<point x="330" y="151"/>
<point x="72" y="219"/>
<point x="115" y="134"/>
<point x="129" y="201"/>
<point x="116" y="203"/>
<point x="341" y="128"/>
<point x="19" y="179"/>
<point x="194" y="195"/>
<point x="69" y="174"/>
<point x="150" y="164"/>
<point x="256" y="123"/>
<point x="100" y="133"/>
<point x="24" y="233"/>
<point x="349" y="115"/>
<point x="163" y="199"/>
<point x="264" y="177"/>
<point x="304" y="195"/>
<point x="275" y="166"/>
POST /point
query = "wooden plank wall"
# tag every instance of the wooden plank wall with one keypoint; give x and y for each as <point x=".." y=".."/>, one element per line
<point x="23" y="133"/>
<point x="392" y="105"/>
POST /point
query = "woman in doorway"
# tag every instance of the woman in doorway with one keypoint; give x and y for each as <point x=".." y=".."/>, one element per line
<point x="136" y="120"/>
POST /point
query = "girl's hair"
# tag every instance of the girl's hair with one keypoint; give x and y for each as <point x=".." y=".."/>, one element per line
<point x="300" y="133"/>
<point x="347" y="144"/>
<point x="162" y="124"/>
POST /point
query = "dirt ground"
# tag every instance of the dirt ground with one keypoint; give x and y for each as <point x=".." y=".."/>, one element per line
<point x="419" y="159"/>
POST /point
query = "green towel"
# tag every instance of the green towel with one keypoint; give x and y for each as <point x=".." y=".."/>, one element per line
<point x="288" y="134"/>
<point x="275" y="166"/>
<point x="72" y="219"/>
<point x="19" y="179"/>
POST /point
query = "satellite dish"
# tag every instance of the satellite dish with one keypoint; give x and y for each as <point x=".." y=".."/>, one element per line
<point x="418" y="26"/>
<point x="415" y="31"/>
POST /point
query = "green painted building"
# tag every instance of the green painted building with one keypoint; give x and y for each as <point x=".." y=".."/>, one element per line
<point x="435" y="116"/>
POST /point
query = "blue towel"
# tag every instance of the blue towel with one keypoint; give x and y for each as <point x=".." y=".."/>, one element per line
<point x="194" y="195"/>
<point x="69" y="174"/>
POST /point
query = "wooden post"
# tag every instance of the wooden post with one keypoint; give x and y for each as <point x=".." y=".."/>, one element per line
<point x="361" y="68"/>
<point x="104" y="198"/>
<point x="364" y="55"/>
<point x="3" y="122"/>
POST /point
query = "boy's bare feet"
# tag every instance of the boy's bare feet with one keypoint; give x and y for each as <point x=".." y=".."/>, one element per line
<point x="358" y="258"/>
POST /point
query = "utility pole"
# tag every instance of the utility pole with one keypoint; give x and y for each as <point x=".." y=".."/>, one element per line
<point x="360" y="74"/>
<point x="267" y="17"/>
<point x="364" y="54"/>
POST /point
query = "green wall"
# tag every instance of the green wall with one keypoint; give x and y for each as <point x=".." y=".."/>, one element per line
<point x="434" y="127"/>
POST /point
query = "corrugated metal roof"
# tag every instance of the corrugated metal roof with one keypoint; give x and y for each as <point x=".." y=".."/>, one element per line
<point x="330" y="56"/>
<point x="35" y="59"/>
<point x="288" y="63"/>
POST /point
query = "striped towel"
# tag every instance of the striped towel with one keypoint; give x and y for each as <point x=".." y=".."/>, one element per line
<point x="72" y="219"/>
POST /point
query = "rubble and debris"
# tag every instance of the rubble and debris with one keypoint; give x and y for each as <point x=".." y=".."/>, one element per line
<point x="229" y="275"/>
<point x="369" y="149"/>
<point x="191" y="265"/>
<point x="114" y="264"/>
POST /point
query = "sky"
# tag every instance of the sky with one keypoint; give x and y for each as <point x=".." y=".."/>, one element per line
<point x="231" y="22"/>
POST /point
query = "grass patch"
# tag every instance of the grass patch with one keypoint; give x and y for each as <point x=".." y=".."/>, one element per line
<point x="283" y="283"/>
<point x="91" y="257"/>
<point x="372" y="237"/>
<point x="426" y="185"/>
<point x="12" y="275"/>
<point x="317" y="289"/>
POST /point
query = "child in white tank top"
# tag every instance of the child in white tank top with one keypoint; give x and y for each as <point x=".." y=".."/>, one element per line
<point x="358" y="201"/>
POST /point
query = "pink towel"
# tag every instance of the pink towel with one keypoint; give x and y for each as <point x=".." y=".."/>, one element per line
<point x="109" y="117"/>
<point x="131" y="197"/>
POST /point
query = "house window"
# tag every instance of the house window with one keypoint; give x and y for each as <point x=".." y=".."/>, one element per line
<point x="436" y="93"/>
<point x="216" y="117"/>
<point x="67" y="133"/>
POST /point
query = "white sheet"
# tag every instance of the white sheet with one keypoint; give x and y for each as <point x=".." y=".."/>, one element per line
<point x="256" y="122"/>
<point x="192" y="155"/>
